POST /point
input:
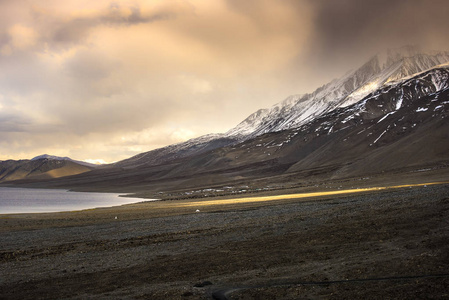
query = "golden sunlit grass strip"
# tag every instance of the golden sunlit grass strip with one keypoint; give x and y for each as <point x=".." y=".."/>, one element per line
<point x="297" y="196"/>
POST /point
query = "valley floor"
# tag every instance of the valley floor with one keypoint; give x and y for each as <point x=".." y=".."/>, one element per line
<point x="390" y="243"/>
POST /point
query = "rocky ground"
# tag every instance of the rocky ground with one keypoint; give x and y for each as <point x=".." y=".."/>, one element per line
<point x="384" y="244"/>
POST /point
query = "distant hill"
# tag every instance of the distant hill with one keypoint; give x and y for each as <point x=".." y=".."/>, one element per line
<point x="41" y="167"/>
<point x="53" y="157"/>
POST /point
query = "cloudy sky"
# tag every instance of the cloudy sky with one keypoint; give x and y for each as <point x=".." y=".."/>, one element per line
<point x="109" y="79"/>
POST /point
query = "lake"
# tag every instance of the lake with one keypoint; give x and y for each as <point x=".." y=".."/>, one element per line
<point x="20" y="200"/>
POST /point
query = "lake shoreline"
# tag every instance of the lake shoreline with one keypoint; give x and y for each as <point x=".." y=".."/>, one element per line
<point x="18" y="200"/>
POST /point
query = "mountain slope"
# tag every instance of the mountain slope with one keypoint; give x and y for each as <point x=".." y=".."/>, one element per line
<point x="399" y="126"/>
<point x="178" y="151"/>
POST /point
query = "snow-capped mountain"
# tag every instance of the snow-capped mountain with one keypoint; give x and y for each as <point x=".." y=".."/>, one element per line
<point x="383" y="69"/>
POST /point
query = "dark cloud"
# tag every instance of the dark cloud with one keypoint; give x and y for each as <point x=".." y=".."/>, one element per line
<point x="346" y="28"/>
<point x="114" y="15"/>
<point x="62" y="29"/>
<point x="12" y="123"/>
<point x="71" y="32"/>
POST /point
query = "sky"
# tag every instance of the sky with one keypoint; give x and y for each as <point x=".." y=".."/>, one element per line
<point x="104" y="80"/>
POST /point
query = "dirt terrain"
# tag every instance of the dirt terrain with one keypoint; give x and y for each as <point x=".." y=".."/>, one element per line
<point x="390" y="243"/>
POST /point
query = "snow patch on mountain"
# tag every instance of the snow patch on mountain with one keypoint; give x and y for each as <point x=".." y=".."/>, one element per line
<point x="386" y="116"/>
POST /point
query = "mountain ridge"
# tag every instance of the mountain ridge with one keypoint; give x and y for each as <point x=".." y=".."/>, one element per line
<point x="296" y="110"/>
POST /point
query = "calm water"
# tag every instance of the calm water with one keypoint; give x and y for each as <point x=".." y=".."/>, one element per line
<point x="18" y="200"/>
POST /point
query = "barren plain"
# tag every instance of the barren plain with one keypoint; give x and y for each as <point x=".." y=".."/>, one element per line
<point x="374" y="244"/>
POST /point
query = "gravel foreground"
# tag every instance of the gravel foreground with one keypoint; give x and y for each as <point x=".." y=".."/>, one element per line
<point x="385" y="244"/>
